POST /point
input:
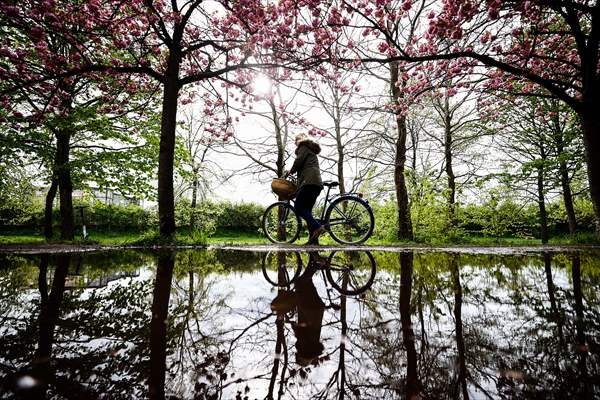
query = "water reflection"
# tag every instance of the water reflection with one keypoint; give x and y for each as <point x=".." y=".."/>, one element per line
<point x="201" y="325"/>
<point x="158" y="324"/>
<point x="412" y="382"/>
<point x="348" y="272"/>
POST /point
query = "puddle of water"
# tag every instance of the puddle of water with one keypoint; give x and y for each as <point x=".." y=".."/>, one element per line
<point x="224" y="323"/>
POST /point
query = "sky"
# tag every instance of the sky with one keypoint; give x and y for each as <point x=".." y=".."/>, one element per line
<point x="245" y="186"/>
<point x="249" y="186"/>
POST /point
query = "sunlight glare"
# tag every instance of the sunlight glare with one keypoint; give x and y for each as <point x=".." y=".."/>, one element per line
<point x="262" y="85"/>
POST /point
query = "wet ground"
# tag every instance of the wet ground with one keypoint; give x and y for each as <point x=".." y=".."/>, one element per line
<point x="370" y="324"/>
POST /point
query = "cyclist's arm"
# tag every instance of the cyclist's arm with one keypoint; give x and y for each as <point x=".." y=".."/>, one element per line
<point x="299" y="161"/>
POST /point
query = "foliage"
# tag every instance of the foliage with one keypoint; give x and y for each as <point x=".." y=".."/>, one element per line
<point x="386" y="221"/>
<point x="211" y="216"/>
<point x="110" y="216"/>
<point x="431" y="217"/>
<point x="496" y="217"/>
<point x="245" y="216"/>
<point x="16" y="195"/>
<point x="206" y="215"/>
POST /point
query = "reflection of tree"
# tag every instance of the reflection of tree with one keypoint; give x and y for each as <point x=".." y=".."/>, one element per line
<point x="281" y="356"/>
<point x="582" y="347"/>
<point x="95" y="339"/>
<point x="158" y="325"/>
<point x="519" y="327"/>
<point x="543" y="352"/>
<point x="341" y="370"/>
<point x="412" y="385"/>
<point x="41" y="369"/>
<point x="458" y="324"/>
<point x="197" y="358"/>
<point x="555" y="312"/>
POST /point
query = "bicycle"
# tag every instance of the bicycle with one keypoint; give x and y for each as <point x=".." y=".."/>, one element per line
<point x="348" y="272"/>
<point x="348" y="218"/>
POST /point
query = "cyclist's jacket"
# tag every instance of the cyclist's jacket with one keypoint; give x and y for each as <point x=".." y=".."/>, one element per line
<point x="307" y="164"/>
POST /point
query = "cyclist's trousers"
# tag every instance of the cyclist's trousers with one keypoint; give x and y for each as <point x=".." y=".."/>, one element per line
<point x="305" y="201"/>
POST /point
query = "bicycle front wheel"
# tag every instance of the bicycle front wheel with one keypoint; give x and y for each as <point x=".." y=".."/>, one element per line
<point x="351" y="272"/>
<point x="280" y="223"/>
<point x="350" y="220"/>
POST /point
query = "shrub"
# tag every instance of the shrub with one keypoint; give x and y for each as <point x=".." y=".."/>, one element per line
<point x="115" y="217"/>
<point x="224" y="215"/>
<point x="386" y="220"/>
<point x="242" y="216"/>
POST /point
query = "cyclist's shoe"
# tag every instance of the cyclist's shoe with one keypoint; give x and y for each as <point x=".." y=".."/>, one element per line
<point x="314" y="242"/>
<point x="284" y="302"/>
<point x="314" y="236"/>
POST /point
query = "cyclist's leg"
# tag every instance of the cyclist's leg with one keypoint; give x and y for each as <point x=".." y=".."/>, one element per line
<point x="305" y="201"/>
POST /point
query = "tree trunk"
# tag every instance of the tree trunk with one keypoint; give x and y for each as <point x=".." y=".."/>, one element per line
<point x="168" y="124"/>
<point x="50" y="196"/>
<point x="449" y="170"/>
<point x="339" y="146"/>
<point x="405" y="230"/>
<point x="567" y="196"/>
<point x="564" y="175"/>
<point x="542" y="206"/>
<point x="280" y="165"/>
<point x="279" y="139"/>
<point x="591" y="139"/>
<point x="158" y="325"/>
<point x="63" y="173"/>
<point x="194" y="201"/>
<point x="340" y="166"/>
<point x="414" y="138"/>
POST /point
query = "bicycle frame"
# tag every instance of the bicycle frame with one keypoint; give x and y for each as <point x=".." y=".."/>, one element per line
<point x="326" y="202"/>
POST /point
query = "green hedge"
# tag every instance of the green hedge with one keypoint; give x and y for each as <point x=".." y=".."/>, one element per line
<point x="209" y="216"/>
<point x="496" y="219"/>
<point x="222" y="215"/>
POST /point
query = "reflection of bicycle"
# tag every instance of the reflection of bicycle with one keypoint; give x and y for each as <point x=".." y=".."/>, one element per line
<point x="348" y="219"/>
<point x="349" y="272"/>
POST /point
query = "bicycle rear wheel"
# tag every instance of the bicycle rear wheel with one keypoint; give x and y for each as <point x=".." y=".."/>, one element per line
<point x="351" y="272"/>
<point x="281" y="268"/>
<point x="280" y="223"/>
<point x="350" y="220"/>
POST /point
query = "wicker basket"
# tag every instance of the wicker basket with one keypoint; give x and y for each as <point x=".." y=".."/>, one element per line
<point x="284" y="188"/>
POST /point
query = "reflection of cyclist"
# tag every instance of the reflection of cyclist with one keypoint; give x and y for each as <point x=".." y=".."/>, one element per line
<point x="310" y="309"/>
<point x="310" y="185"/>
<point x="310" y="318"/>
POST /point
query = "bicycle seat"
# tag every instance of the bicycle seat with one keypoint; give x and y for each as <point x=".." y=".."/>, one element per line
<point x="331" y="184"/>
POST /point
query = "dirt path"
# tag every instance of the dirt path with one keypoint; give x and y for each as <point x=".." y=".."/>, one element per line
<point x="72" y="248"/>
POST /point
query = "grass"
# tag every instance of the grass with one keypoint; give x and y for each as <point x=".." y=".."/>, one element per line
<point x="183" y="237"/>
<point x="124" y="238"/>
<point x="21" y="239"/>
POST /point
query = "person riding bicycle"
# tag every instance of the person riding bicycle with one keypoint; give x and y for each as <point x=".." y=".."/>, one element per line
<point x="310" y="184"/>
